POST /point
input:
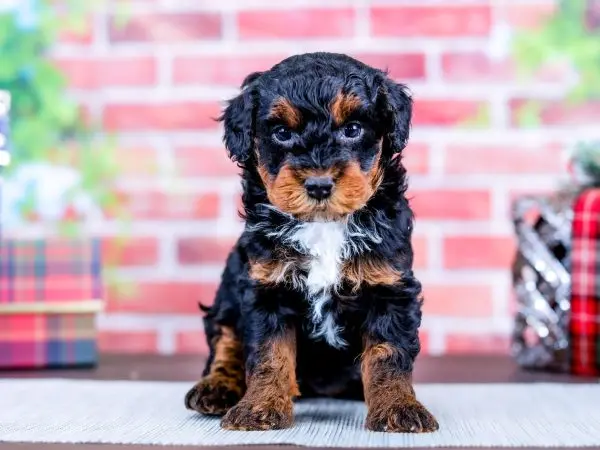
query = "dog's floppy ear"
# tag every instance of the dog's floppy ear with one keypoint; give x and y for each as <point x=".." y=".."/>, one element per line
<point x="397" y="103"/>
<point x="238" y="120"/>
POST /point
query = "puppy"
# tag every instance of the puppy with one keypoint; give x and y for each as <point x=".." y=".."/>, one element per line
<point x="318" y="296"/>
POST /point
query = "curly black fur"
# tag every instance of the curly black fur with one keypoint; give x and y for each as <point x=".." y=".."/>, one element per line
<point x="387" y="314"/>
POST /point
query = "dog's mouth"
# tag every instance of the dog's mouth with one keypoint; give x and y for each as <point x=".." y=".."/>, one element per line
<point x="321" y="195"/>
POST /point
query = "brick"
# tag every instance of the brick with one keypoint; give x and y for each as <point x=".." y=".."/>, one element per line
<point x="204" y="162"/>
<point x="84" y="35"/>
<point x="108" y="71"/>
<point x="486" y="344"/>
<point x="415" y="158"/>
<point x="163" y="116"/>
<point x="167" y="28"/>
<point x="478" y="252"/>
<point x="504" y="159"/>
<point x="457" y="300"/>
<point x="513" y="194"/>
<point x="138" y="161"/>
<point x="297" y="23"/>
<point x="128" y="341"/>
<point x="424" y="340"/>
<point x="475" y="66"/>
<point x="420" y="251"/>
<point x="531" y="15"/>
<point x="560" y="113"/>
<point x="130" y="251"/>
<point x="447" y="204"/>
<point x="469" y="67"/>
<point x="400" y="66"/>
<point x="220" y="70"/>
<point x="204" y="250"/>
<point x="168" y="297"/>
<point x="191" y="342"/>
<point x="446" y="112"/>
<point x="153" y="205"/>
<point x="430" y="21"/>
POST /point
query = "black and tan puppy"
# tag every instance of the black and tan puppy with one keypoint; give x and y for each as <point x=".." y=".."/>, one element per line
<point x="318" y="296"/>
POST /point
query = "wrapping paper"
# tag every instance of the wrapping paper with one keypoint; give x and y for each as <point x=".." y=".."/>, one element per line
<point x="50" y="292"/>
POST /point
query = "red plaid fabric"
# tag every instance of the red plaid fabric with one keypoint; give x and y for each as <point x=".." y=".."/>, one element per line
<point x="585" y="279"/>
<point x="48" y="294"/>
<point x="49" y="271"/>
<point x="47" y="340"/>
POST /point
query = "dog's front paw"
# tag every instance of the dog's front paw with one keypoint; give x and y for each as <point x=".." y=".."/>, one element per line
<point x="213" y="396"/>
<point x="407" y="418"/>
<point x="251" y="416"/>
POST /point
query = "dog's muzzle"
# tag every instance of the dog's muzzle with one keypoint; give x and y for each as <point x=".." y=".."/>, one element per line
<point x="319" y="188"/>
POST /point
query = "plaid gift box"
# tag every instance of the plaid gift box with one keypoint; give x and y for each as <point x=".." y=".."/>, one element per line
<point x="50" y="292"/>
<point x="584" y="325"/>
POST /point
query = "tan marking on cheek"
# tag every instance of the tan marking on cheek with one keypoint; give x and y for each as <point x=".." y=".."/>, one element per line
<point x="352" y="190"/>
<point x="342" y="106"/>
<point x="365" y="270"/>
<point x="289" y="194"/>
<point x="286" y="191"/>
<point x="283" y="110"/>
<point x="355" y="187"/>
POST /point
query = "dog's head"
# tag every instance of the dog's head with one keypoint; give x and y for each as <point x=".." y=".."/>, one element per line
<point x="319" y="129"/>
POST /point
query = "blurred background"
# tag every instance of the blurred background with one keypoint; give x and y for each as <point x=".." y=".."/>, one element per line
<point x="112" y="135"/>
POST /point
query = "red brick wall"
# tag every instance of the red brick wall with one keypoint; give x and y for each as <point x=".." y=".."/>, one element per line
<point x="158" y="81"/>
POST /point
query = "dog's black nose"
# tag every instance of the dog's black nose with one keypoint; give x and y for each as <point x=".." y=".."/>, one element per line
<point x="319" y="188"/>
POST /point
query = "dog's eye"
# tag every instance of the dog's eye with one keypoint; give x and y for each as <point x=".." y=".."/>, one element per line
<point x="282" y="134"/>
<point x="353" y="130"/>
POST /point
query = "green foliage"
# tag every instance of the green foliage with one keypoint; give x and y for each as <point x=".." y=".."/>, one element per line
<point x="47" y="125"/>
<point x="569" y="36"/>
<point x="481" y="118"/>
<point x="528" y="114"/>
<point x="587" y="158"/>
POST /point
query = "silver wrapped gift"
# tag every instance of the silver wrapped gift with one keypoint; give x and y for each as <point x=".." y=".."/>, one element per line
<point x="541" y="279"/>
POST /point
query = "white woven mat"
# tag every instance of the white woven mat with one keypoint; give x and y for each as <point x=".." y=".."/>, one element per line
<point x="508" y="415"/>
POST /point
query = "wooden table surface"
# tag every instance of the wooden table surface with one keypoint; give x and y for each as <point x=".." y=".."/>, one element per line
<point x="445" y="369"/>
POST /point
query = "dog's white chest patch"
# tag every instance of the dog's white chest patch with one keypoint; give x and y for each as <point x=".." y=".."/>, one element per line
<point x="323" y="243"/>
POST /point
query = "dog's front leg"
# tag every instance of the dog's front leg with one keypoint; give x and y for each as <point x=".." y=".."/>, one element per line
<point x="270" y="375"/>
<point x="391" y="345"/>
